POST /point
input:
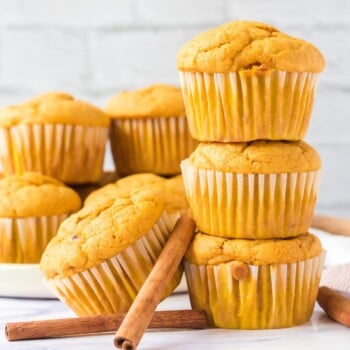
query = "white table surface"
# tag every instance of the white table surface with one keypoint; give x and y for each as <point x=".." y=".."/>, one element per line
<point x="319" y="333"/>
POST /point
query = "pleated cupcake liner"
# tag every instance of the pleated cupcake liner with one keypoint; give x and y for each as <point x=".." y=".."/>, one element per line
<point x="23" y="240"/>
<point x="243" y="106"/>
<point x="70" y="153"/>
<point x="150" y="144"/>
<point x="112" y="285"/>
<point x="271" y="296"/>
<point x="251" y="206"/>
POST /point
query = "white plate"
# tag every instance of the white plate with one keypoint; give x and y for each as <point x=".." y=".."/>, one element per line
<point x="26" y="281"/>
<point x="22" y="281"/>
<point x="337" y="247"/>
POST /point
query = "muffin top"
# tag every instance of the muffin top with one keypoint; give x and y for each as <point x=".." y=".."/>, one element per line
<point x="245" y="45"/>
<point x="33" y="194"/>
<point x="212" y="250"/>
<point x="99" y="232"/>
<point x="140" y="179"/>
<point x="154" y="101"/>
<point x="257" y="157"/>
<point x="84" y="190"/>
<point x="53" y="108"/>
<point x="124" y="185"/>
<point x="172" y="191"/>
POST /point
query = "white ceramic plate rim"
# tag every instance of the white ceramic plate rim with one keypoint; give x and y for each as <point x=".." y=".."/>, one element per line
<point x="23" y="281"/>
<point x="27" y="281"/>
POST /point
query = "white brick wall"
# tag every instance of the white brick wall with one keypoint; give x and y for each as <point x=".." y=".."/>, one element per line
<point x="93" y="48"/>
<point x="180" y="12"/>
<point x="135" y="57"/>
<point x="67" y="13"/>
<point x="43" y="59"/>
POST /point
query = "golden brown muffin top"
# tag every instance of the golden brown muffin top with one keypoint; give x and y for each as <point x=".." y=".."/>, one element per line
<point x="171" y="190"/>
<point x="243" y="45"/>
<point x="141" y="179"/>
<point x="84" y="190"/>
<point x="154" y="101"/>
<point x="33" y="194"/>
<point x="106" y="192"/>
<point x="257" y="157"/>
<point x="124" y="185"/>
<point x="53" y="108"/>
<point x="101" y="231"/>
<point x="212" y="250"/>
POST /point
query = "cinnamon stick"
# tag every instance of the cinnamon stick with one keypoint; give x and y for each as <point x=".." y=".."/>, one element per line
<point x="337" y="226"/>
<point x="335" y="305"/>
<point x="98" y="324"/>
<point x="140" y="314"/>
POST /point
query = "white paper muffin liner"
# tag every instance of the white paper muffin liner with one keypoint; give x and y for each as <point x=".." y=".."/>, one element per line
<point x="150" y="144"/>
<point x="23" y="240"/>
<point x="251" y="206"/>
<point x="243" y="106"/>
<point x="112" y="285"/>
<point x="70" y="153"/>
<point x="271" y="296"/>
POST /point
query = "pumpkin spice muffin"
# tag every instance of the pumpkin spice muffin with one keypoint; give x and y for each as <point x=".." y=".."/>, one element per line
<point x="244" y="81"/>
<point x="32" y="206"/>
<point x="149" y="130"/>
<point x="56" y="135"/>
<point x="276" y="287"/>
<point x="177" y="193"/>
<point x="102" y="255"/>
<point x="254" y="190"/>
<point x="123" y="185"/>
<point x="171" y="190"/>
<point x="86" y="189"/>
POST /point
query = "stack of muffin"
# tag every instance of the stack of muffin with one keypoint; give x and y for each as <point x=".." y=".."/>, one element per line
<point x="45" y="142"/>
<point x="251" y="183"/>
<point x="96" y="259"/>
<point x="54" y="137"/>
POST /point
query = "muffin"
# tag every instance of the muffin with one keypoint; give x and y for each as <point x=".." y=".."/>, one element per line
<point x="32" y="206"/>
<point x="56" y="135"/>
<point x="86" y="189"/>
<point x="245" y="81"/>
<point x="171" y="190"/>
<point x="149" y="131"/>
<point x="278" y="286"/>
<point x="254" y="190"/>
<point x="123" y="185"/>
<point x="175" y="196"/>
<point x="102" y="255"/>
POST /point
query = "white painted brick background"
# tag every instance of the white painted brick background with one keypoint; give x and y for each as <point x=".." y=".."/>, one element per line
<point x="94" y="48"/>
